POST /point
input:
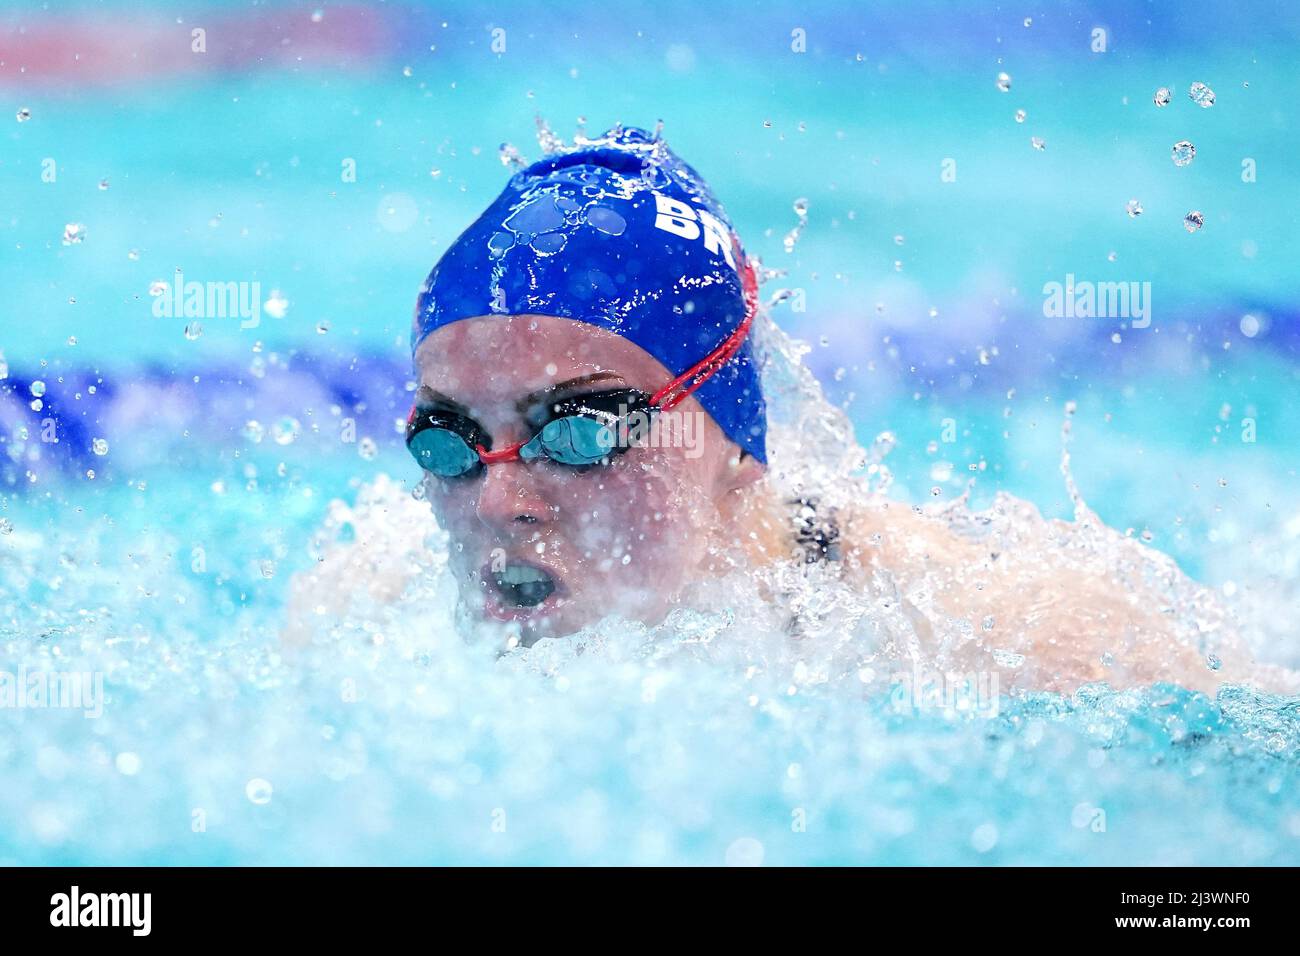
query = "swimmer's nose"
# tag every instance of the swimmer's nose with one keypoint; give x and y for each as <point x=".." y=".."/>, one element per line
<point x="507" y="495"/>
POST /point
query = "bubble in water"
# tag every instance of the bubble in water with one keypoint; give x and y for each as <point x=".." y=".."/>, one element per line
<point x="1020" y="116"/>
<point x="1037" y="143"/>
<point x="745" y="852"/>
<point x="1193" y="220"/>
<point x="1163" y="97"/>
<point x="984" y="838"/>
<point x="99" y="446"/>
<point x="285" y="431"/>
<point x="276" y="306"/>
<point x="1201" y="95"/>
<point x="74" y="233"/>
<point x="1182" y="153"/>
<point x="23" y="114"/>
<point x="258" y="791"/>
<point x="128" y="764"/>
<point x="254" y="431"/>
<point x="1004" y="82"/>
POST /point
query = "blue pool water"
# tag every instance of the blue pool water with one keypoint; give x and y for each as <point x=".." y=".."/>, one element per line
<point x="164" y="564"/>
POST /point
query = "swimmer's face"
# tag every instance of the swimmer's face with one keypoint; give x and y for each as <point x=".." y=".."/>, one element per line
<point x="552" y="546"/>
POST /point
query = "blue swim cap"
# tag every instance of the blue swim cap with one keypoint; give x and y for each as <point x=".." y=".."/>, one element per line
<point x="617" y="232"/>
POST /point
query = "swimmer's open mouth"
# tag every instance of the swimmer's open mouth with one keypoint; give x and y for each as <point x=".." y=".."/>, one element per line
<point x="522" y="585"/>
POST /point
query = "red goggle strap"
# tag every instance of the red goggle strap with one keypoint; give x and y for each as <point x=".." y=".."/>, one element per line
<point x="676" y="391"/>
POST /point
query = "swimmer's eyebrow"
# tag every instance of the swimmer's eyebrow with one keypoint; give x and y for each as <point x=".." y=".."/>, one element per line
<point x="534" y="398"/>
<point x="425" y="395"/>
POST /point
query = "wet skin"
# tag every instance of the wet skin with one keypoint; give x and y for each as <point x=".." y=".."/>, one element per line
<point x="623" y="536"/>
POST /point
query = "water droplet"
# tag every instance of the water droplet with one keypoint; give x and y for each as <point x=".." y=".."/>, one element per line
<point x="367" y="449"/>
<point x="549" y="243"/>
<point x="1037" y="143"/>
<point x="23" y="114"/>
<point x="1004" y="82"/>
<point x="157" y="288"/>
<point x="38" y="388"/>
<point x="407" y="71"/>
<point x="606" y="220"/>
<point x="267" y="568"/>
<point x="1020" y="116"/>
<point x="254" y="431"/>
<point x="1182" y="153"/>
<point x="285" y="431"/>
<point x="103" y="185"/>
<point x="984" y="838"/>
<point x="128" y="764"/>
<point x="317" y="16"/>
<point x="1029" y="21"/>
<point x="1133" y="208"/>
<point x="74" y="233"/>
<point x="193" y="330"/>
<point x="1193" y="220"/>
<point x="276" y="306"/>
<point x="99" y="446"/>
<point x="745" y="852"/>
<point x="1249" y="327"/>
<point x="258" y="791"/>
<point x="1163" y="97"/>
<point x="1201" y="95"/>
<point x="322" y="327"/>
<point x="510" y="156"/>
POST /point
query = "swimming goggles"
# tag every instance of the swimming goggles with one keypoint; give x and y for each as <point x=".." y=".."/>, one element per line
<point x="582" y="431"/>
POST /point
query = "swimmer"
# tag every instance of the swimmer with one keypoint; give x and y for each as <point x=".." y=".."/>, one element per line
<point x="593" y="437"/>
